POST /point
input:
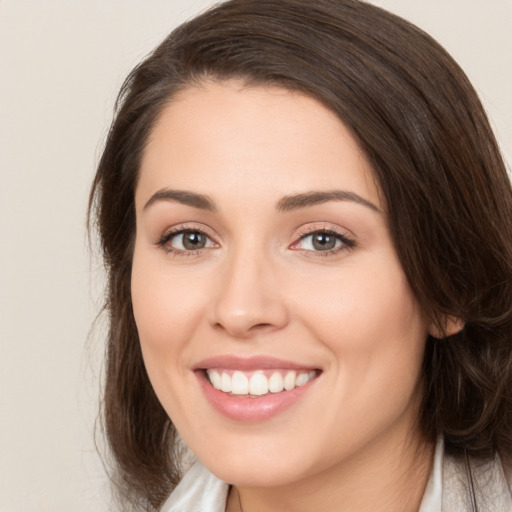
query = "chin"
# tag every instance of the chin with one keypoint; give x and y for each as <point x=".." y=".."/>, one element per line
<point x="257" y="464"/>
<point x="247" y="474"/>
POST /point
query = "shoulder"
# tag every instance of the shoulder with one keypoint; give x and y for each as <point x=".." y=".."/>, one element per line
<point x="198" y="491"/>
<point x="476" y="485"/>
<point x="465" y="484"/>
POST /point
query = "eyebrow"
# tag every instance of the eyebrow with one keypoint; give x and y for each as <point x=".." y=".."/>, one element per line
<point x="285" y="204"/>
<point x="297" y="201"/>
<point x="184" y="197"/>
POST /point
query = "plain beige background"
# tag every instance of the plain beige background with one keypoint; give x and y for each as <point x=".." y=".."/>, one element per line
<point x="62" y="63"/>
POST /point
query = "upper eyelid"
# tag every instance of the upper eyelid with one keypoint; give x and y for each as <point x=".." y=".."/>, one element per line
<point x="299" y="233"/>
<point x="321" y="230"/>
<point x="183" y="228"/>
<point x="325" y="228"/>
<point x="164" y="241"/>
<point x="345" y="235"/>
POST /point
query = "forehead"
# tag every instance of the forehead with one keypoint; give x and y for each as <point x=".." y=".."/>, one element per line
<point x="228" y="139"/>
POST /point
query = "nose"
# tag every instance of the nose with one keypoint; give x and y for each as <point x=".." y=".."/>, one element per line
<point x="249" y="299"/>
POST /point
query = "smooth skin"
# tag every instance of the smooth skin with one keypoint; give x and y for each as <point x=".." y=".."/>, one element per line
<point x="247" y="272"/>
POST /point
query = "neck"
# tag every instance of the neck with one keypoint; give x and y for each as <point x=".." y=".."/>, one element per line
<point x="381" y="477"/>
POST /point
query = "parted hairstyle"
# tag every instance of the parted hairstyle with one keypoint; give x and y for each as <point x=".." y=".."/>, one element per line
<point x="446" y="191"/>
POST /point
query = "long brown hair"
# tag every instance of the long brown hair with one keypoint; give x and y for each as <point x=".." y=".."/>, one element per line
<point x="448" y="197"/>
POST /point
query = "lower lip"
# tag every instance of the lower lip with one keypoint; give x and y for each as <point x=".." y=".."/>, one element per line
<point x="251" y="409"/>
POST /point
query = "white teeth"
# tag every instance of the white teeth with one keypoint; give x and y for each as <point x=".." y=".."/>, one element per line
<point x="275" y="383"/>
<point x="215" y="379"/>
<point x="257" y="383"/>
<point x="289" y="381"/>
<point x="225" y="383"/>
<point x="239" y="384"/>
<point x="304" y="378"/>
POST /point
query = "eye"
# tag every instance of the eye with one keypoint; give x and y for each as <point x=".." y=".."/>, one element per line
<point x="186" y="241"/>
<point x="320" y="242"/>
<point x="323" y="241"/>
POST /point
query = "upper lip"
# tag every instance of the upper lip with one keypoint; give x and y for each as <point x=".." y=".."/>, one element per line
<point x="230" y="362"/>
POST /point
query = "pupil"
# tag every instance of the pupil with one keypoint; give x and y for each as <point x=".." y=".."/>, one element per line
<point x="193" y="240"/>
<point x="323" y="242"/>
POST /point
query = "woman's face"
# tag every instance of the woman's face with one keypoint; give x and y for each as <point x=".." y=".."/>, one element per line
<point x="262" y="260"/>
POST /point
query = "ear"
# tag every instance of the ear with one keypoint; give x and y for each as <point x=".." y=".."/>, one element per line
<point x="446" y="326"/>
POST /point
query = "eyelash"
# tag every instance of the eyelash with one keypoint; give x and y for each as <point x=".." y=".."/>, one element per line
<point x="347" y="242"/>
<point x="167" y="237"/>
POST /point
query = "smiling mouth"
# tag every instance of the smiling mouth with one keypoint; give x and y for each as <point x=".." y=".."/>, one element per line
<point x="254" y="389"/>
<point x="257" y="383"/>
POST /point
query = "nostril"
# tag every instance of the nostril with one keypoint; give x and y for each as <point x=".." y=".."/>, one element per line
<point x="242" y="331"/>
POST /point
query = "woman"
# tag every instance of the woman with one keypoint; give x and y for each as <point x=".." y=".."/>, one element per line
<point x="306" y="224"/>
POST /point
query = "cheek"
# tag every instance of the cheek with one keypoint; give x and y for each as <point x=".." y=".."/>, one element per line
<point x="375" y="333"/>
<point x="358" y="303"/>
<point x="165" y="305"/>
<point x="166" y="311"/>
<point x="368" y="318"/>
